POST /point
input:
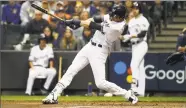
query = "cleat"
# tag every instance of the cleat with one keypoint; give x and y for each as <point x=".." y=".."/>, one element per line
<point x="50" y="99"/>
<point x="131" y="97"/>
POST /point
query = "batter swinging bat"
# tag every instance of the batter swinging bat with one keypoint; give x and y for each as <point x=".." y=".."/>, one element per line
<point x="45" y="11"/>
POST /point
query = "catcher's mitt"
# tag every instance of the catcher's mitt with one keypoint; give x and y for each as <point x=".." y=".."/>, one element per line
<point x="175" y="58"/>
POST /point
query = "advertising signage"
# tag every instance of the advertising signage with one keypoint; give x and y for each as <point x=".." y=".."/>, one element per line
<point x="159" y="76"/>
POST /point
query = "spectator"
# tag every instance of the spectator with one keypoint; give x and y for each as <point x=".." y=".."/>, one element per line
<point x="78" y="8"/>
<point x="52" y="5"/>
<point x="76" y="17"/>
<point x="58" y="26"/>
<point x="156" y="14"/>
<point x="86" y="36"/>
<point x="181" y="42"/>
<point x="128" y="5"/>
<point x="11" y="13"/>
<point x="103" y="9"/>
<point x="46" y="6"/>
<point x="77" y="32"/>
<point x="68" y="42"/>
<point x="61" y="13"/>
<point x="96" y="4"/>
<point x="41" y="62"/>
<point x="50" y="36"/>
<point x="59" y="5"/>
<point x="84" y="15"/>
<point x="35" y="26"/>
<point x="152" y="32"/>
<point x="117" y="2"/>
<point x="110" y="4"/>
<point x="69" y="9"/>
<point x="27" y="12"/>
<point x="170" y="5"/>
<point x="89" y="8"/>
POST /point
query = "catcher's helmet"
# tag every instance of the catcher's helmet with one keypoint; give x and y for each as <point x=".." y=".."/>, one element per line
<point x="118" y="11"/>
<point x="137" y="5"/>
<point x="42" y="37"/>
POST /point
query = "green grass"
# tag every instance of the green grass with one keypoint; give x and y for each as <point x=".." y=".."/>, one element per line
<point x="93" y="99"/>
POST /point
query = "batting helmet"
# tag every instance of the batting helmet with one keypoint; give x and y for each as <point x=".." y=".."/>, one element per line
<point x="42" y="37"/>
<point x="137" y="5"/>
<point x="118" y="11"/>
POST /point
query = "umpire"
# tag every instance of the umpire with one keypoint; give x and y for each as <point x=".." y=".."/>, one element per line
<point x="180" y="54"/>
<point x="181" y="42"/>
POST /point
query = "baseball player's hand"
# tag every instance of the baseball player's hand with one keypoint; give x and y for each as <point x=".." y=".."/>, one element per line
<point x="85" y="23"/>
<point x="125" y="38"/>
<point x="182" y="49"/>
<point x="121" y="37"/>
<point x="74" y="24"/>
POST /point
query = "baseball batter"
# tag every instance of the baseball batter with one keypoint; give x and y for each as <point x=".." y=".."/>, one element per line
<point x="40" y="57"/>
<point x="138" y="28"/>
<point x="95" y="53"/>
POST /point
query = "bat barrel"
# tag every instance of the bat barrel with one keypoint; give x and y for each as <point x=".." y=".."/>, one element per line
<point x="39" y="8"/>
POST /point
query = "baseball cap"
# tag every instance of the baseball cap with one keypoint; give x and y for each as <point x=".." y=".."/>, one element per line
<point x="135" y="5"/>
<point x="60" y="10"/>
<point x="38" y="12"/>
<point x="60" y="2"/>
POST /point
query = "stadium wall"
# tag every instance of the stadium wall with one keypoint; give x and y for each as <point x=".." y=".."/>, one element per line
<point x="159" y="76"/>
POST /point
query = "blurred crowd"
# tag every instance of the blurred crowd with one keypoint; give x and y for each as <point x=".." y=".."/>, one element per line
<point x="33" y="22"/>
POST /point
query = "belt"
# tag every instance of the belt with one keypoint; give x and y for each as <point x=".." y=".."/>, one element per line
<point x="38" y="65"/>
<point x="136" y="42"/>
<point x="95" y="44"/>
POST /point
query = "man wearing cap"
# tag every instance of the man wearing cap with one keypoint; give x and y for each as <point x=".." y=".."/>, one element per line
<point x="41" y="63"/>
<point x="89" y="8"/>
<point x="10" y="13"/>
<point x="137" y="28"/>
<point x="27" y="12"/>
<point x="35" y="26"/>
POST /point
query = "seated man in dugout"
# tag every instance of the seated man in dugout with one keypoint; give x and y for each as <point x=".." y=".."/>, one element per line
<point x="41" y="62"/>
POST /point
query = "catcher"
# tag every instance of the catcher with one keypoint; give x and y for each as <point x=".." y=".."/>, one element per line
<point x="180" y="55"/>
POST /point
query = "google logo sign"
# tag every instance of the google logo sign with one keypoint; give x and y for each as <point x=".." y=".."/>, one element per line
<point x="120" y="68"/>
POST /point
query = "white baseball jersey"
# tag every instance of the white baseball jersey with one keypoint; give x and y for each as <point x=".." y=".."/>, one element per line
<point x="110" y="32"/>
<point x="136" y="25"/>
<point x="41" y="57"/>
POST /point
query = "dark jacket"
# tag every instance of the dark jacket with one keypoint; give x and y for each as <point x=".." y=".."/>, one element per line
<point x="181" y="40"/>
<point x="36" y="27"/>
<point x="11" y="14"/>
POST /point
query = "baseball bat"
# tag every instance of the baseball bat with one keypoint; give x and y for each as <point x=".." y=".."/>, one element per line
<point x="46" y="12"/>
<point x="60" y="68"/>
